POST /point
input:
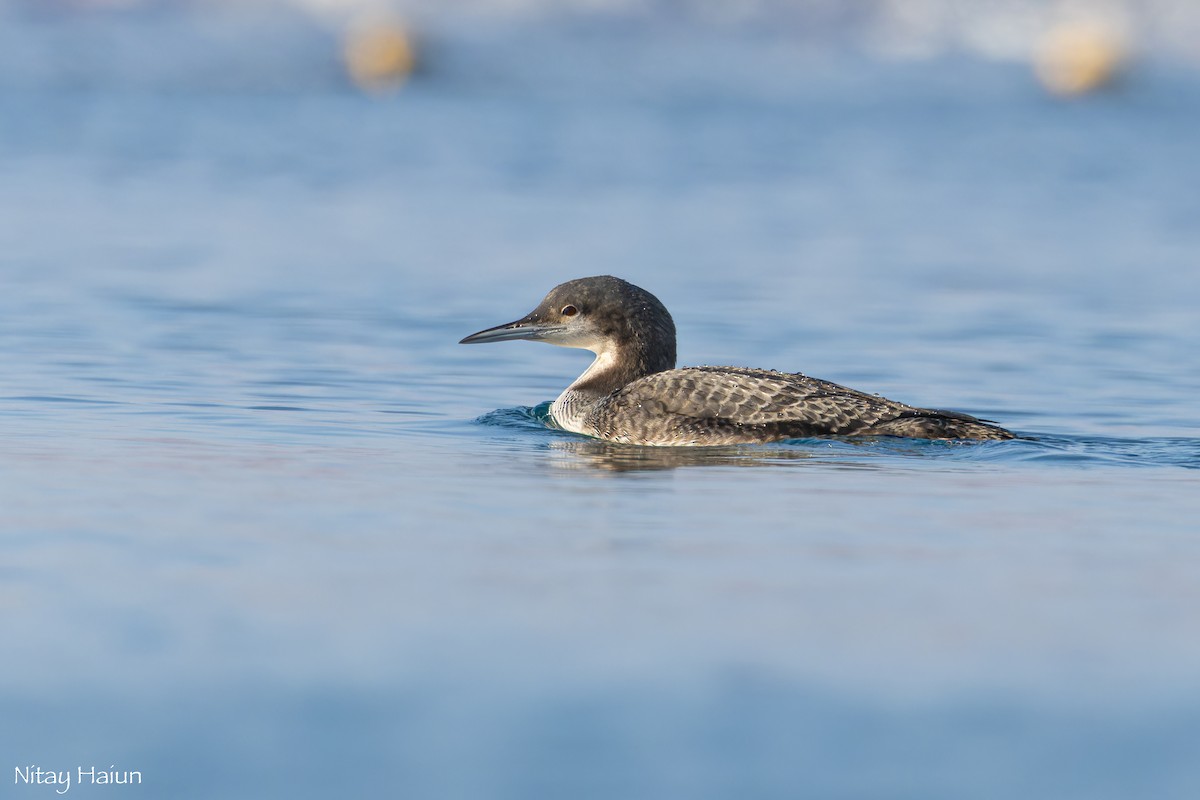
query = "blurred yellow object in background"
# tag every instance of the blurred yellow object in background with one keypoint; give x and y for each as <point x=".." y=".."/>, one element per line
<point x="380" y="54"/>
<point x="1081" y="57"/>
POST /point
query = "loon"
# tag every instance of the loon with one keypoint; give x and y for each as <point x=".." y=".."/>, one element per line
<point x="632" y="393"/>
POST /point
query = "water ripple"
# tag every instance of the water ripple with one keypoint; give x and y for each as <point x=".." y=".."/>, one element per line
<point x="1081" y="451"/>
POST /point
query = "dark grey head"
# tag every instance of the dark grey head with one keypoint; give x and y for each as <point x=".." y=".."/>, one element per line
<point x="609" y="316"/>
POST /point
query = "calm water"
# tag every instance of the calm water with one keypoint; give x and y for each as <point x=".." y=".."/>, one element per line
<point x="268" y="531"/>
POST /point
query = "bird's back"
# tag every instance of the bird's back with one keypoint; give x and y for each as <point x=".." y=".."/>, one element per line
<point x="733" y="405"/>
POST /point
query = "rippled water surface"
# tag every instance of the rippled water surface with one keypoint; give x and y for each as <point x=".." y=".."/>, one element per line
<point x="268" y="531"/>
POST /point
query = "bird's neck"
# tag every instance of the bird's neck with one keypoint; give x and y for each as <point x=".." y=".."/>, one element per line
<point x="616" y="366"/>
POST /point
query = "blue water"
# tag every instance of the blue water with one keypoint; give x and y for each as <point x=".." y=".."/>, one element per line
<point x="268" y="531"/>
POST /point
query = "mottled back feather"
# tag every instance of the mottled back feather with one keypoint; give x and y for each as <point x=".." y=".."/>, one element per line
<point x="729" y="405"/>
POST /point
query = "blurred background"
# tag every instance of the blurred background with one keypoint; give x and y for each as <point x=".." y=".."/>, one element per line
<point x="267" y="531"/>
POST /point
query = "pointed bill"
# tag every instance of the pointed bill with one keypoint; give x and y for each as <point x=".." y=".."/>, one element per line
<point x="524" y="328"/>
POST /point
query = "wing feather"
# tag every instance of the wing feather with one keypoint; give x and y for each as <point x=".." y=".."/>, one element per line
<point x="737" y="404"/>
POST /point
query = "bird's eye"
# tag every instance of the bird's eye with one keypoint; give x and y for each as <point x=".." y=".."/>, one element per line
<point x="569" y="311"/>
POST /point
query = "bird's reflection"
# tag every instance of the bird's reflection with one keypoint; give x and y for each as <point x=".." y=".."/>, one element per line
<point x="577" y="454"/>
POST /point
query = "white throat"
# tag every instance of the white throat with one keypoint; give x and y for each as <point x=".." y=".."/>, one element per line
<point x="570" y="411"/>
